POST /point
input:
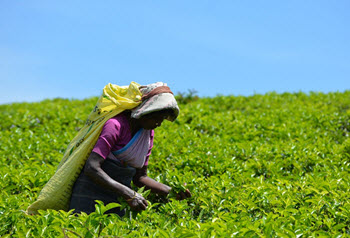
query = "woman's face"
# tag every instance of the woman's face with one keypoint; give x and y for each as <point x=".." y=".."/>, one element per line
<point x="152" y="120"/>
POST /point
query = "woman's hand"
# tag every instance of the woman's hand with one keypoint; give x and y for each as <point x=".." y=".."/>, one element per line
<point x="137" y="202"/>
<point x="183" y="195"/>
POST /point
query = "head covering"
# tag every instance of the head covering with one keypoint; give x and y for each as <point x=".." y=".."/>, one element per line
<point x="156" y="97"/>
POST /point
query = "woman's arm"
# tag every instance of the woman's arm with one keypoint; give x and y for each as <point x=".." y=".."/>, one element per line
<point x="94" y="171"/>
<point x="142" y="180"/>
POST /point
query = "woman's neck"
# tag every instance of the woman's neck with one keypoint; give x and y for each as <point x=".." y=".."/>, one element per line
<point x="134" y="123"/>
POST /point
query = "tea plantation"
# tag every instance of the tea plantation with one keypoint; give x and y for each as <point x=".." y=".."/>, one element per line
<point x="274" y="165"/>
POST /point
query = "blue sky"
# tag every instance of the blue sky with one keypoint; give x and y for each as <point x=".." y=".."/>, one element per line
<point x="71" y="49"/>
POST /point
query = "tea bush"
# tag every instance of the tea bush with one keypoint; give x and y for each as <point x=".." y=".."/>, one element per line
<point x="274" y="165"/>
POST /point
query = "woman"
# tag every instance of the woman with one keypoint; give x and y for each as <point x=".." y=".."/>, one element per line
<point x="121" y="155"/>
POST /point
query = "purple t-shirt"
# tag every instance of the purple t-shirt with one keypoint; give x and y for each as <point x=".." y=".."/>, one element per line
<point x="116" y="134"/>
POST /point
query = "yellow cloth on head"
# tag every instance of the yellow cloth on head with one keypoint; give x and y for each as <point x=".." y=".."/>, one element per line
<point x="57" y="192"/>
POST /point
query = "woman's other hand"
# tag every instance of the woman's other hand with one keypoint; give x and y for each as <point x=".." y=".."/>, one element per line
<point x="137" y="202"/>
<point x="183" y="195"/>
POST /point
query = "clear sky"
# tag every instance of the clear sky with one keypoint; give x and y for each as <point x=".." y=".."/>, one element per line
<point x="72" y="49"/>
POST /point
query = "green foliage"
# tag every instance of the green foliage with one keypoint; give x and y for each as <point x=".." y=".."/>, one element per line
<point x="187" y="97"/>
<point x="274" y="165"/>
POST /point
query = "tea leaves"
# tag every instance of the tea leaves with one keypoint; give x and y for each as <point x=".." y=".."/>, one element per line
<point x="274" y="165"/>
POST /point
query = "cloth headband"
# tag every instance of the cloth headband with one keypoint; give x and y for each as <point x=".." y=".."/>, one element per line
<point x="158" y="90"/>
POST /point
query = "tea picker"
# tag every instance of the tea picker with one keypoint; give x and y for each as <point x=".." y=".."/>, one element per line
<point x="112" y="150"/>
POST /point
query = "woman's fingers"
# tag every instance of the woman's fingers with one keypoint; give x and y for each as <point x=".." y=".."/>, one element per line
<point x="142" y="203"/>
<point x="188" y="193"/>
<point x="145" y="202"/>
<point x="180" y="196"/>
<point x="142" y="206"/>
<point x="183" y="195"/>
<point x="138" y="203"/>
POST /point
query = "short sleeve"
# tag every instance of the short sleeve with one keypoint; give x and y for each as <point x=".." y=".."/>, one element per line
<point x="150" y="147"/>
<point x="109" y="136"/>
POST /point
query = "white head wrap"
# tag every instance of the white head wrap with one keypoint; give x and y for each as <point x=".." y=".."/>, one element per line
<point x="155" y="103"/>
